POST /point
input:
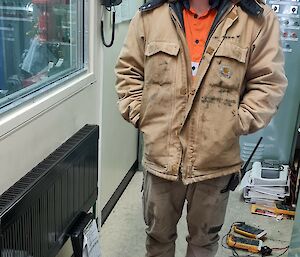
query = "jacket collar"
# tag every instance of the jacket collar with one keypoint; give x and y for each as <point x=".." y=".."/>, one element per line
<point x="213" y="3"/>
<point x="152" y="4"/>
<point x="178" y="5"/>
<point x="252" y="7"/>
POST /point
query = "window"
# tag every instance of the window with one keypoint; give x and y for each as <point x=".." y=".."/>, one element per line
<point x="41" y="41"/>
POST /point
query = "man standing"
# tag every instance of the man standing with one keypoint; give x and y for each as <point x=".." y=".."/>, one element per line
<point x="193" y="76"/>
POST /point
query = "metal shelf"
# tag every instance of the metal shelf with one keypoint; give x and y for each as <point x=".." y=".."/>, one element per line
<point x="16" y="19"/>
<point x="14" y="8"/>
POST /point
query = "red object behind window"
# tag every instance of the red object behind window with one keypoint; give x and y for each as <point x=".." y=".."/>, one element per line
<point x="47" y="27"/>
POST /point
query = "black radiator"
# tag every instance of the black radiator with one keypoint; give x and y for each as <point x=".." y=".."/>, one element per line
<point x="37" y="212"/>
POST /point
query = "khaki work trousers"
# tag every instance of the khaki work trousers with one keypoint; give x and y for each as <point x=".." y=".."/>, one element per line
<point x="163" y="201"/>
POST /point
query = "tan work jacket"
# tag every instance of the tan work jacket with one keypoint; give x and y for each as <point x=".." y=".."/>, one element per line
<point x="191" y="125"/>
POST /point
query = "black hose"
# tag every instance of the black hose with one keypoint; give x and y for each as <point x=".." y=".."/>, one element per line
<point x="113" y="31"/>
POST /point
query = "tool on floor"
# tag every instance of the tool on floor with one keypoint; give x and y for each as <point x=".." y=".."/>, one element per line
<point x="273" y="211"/>
<point x="249" y="231"/>
<point x="251" y="245"/>
<point x="251" y="241"/>
<point x="285" y="209"/>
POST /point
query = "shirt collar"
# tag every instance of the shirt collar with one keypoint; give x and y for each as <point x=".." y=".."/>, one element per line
<point x="213" y="3"/>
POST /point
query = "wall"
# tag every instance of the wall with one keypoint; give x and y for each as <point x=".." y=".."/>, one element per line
<point x="119" y="139"/>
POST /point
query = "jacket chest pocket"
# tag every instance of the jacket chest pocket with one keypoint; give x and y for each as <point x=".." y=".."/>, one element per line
<point x="228" y="66"/>
<point x="160" y="62"/>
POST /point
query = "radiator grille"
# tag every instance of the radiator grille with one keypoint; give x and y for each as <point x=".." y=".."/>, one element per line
<point x="37" y="211"/>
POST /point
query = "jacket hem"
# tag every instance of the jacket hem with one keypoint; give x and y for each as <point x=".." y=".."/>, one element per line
<point x="206" y="175"/>
<point x="159" y="171"/>
<point x="218" y="173"/>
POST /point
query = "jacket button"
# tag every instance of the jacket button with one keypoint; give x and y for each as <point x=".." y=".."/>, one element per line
<point x="183" y="91"/>
<point x="193" y="92"/>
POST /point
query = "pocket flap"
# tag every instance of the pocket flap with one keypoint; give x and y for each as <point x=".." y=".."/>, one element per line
<point x="166" y="47"/>
<point x="232" y="51"/>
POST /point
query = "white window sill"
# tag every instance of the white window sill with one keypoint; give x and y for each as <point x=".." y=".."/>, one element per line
<point x="19" y="116"/>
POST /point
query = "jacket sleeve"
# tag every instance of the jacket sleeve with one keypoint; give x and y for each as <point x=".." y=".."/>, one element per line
<point x="130" y="72"/>
<point x="265" y="78"/>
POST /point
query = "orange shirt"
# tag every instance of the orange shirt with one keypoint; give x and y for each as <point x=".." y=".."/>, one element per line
<point x="197" y="29"/>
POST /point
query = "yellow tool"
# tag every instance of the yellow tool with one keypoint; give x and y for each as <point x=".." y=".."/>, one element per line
<point x="285" y="209"/>
<point x="249" y="231"/>
<point x="278" y="209"/>
<point x="251" y="245"/>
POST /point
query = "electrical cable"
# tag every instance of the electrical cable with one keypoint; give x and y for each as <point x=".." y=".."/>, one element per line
<point x="279" y="249"/>
<point x="286" y="249"/>
<point x="113" y="10"/>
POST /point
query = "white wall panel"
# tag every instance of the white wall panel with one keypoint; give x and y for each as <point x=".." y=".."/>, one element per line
<point x="119" y="139"/>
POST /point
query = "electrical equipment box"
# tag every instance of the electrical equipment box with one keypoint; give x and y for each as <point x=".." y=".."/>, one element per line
<point x="279" y="136"/>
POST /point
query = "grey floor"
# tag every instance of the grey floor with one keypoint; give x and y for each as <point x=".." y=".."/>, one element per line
<point x="123" y="233"/>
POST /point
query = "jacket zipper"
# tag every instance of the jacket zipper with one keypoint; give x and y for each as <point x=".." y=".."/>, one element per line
<point x="180" y="30"/>
<point x="219" y="19"/>
<point x="183" y="39"/>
